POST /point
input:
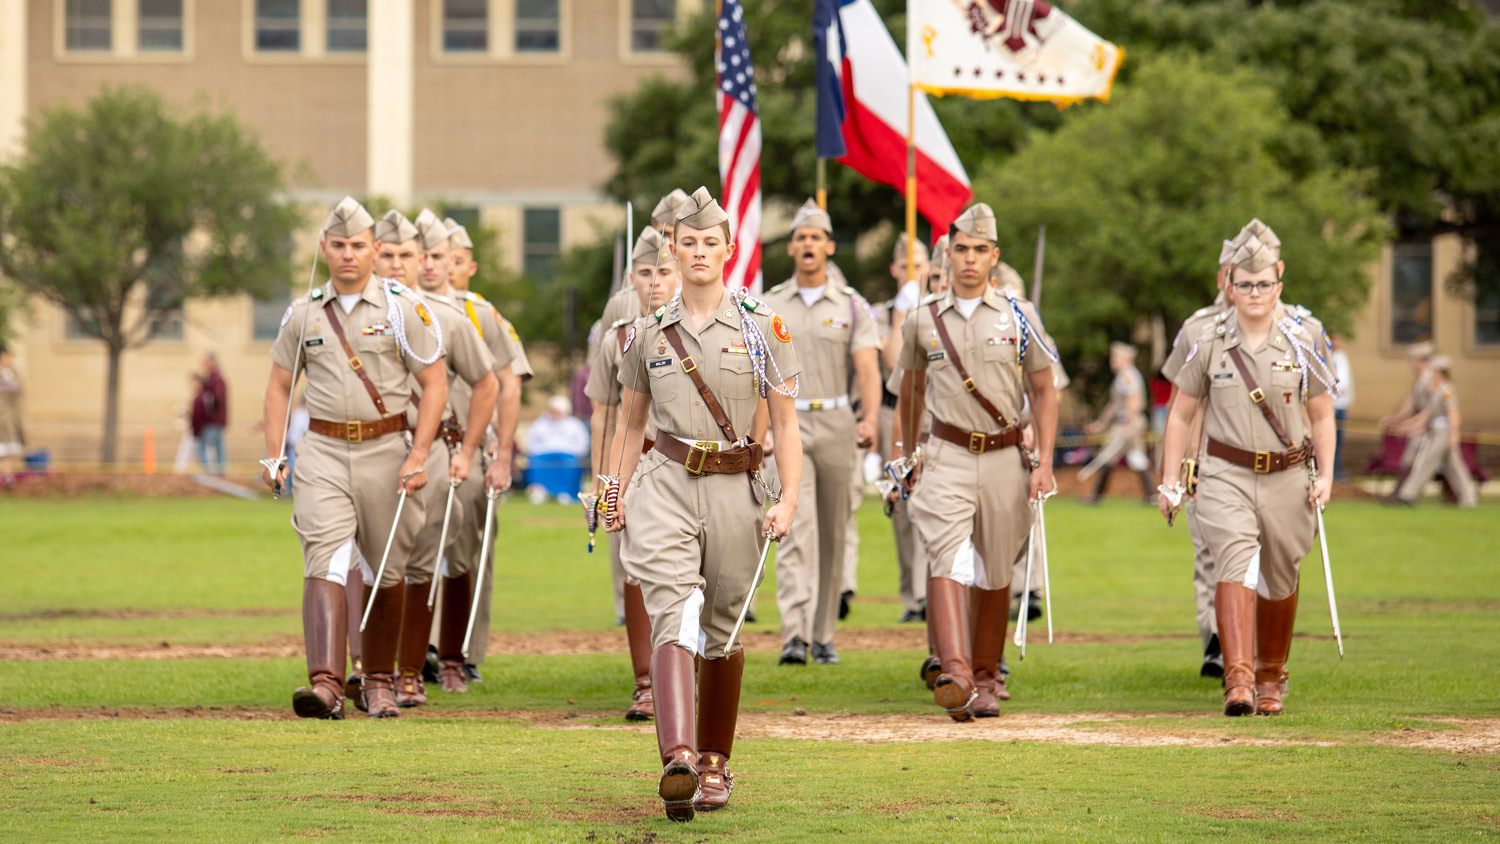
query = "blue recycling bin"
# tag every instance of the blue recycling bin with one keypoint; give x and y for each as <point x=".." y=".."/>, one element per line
<point x="38" y="461"/>
<point x="557" y="472"/>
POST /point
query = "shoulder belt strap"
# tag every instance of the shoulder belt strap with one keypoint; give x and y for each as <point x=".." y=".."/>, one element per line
<point x="1258" y="396"/>
<point x="958" y="364"/>
<point x="690" y="366"/>
<point x="354" y="361"/>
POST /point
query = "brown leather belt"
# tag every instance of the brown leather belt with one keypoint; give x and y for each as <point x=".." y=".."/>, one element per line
<point x="355" y="432"/>
<point x="1262" y="462"/>
<point x="647" y="444"/>
<point x="701" y="461"/>
<point x="974" y="441"/>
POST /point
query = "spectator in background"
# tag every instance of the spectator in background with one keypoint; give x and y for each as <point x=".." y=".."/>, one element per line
<point x="199" y="417"/>
<point x="216" y="405"/>
<point x="1342" y="402"/>
<point x="187" y="446"/>
<point x="12" y="433"/>
<point x="557" y="431"/>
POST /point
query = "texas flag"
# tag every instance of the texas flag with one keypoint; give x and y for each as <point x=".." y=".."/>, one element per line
<point x="862" y="111"/>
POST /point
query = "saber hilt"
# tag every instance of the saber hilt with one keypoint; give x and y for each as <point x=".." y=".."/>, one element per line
<point x="274" y="465"/>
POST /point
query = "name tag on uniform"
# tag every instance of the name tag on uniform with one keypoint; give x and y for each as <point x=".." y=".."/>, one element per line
<point x="659" y="363"/>
<point x="936" y="355"/>
<point x="1218" y="375"/>
<point x="316" y="341"/>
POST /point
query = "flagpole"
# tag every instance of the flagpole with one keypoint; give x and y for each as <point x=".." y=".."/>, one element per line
<point x="822" y="183"/>
<point x="911" y="177"/>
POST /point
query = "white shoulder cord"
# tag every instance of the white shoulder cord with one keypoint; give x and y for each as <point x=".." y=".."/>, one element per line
<point x="760" y="351"/>
<point x="1292" y="330"/>
<point x="398" y="322"/>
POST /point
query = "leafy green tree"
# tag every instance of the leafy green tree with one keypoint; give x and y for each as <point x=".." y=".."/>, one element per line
<point x="1137" y="197"/>
<point x="121" y="211"/>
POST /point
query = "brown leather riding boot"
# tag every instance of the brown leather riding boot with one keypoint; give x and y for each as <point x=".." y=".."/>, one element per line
<point x="323" y="627"/>
<point x="948" y="618"/>
<point x="718" y="713"/>
<point x="458" y="592"/>
<point x="380" y="637"/>
<point x="638" y="635"/>
<point x="991" y="612"/>
<point x="1235" y="606"/>
<point x="355" y="606"/>
<point x="1273" y="642"/>
<point x="932" y="667"/>
<point x="676" y="733"/>
<point x="416" y="625"/>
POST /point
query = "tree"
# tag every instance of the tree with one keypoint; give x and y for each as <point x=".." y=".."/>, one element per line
<point x="120" y="212"/>
<point x="1137" y="196"/>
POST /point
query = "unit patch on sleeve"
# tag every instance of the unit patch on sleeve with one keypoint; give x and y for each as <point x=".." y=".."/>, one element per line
<point x="780" y="330"/>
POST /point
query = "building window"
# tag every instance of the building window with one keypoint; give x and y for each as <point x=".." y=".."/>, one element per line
<point x="1487" y="320"/>
<point x="278" y="26"/>
<point x="87" y="25"/>
<point x="81" y="326"/>
<point x="1411" y="293"/>
<point x="543" y="242"/>
<point x="538" y="26"/>
<point x="159" y="26"/>
<point x="466" y="26"/>
<point x="650" y="22"/>
<point x="167" y="326"/>
<point x="348" y="26"/>
<point x="265" y="315"/>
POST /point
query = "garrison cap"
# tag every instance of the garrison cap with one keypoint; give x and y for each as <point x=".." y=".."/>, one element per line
<point x="1439" y="362"/>
<point x="650" y="248"/>
<point x="812" y="217"/>
<point x="431" y="230"/>
<point x="395" y="228"/>
<point x="347" y="219"/>
<point x="1006" y="277"/>
<point x="1254" y="255"/>
<point x="1419" y="351"/>
<point x="665" y="212"/>
<point x="1262" y="232"/>
<point x="1226" y="252"/>
<point x="939" y="261"/>
<point x="459" y="234"/>
<point x="899" y="253"/>
<point x="977" y="221"/>
<point x="701" y="211"/>
<point x="1126" y="349"/>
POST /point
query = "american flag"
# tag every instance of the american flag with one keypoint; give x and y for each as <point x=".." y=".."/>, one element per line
<point x="739" y="147"/>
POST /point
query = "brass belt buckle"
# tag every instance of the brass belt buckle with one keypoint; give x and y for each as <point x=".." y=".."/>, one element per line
<point x="1262" y="462"/>
<point x="815" y="404"/>
<point x="976" y="442"/>
<point x="701" y="450"/>
<point x="354" y="432"/>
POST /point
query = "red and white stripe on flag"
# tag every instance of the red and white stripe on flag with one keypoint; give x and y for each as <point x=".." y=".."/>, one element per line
<point x="739" y="148"/>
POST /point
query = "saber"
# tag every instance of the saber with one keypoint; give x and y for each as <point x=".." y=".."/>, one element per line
<point x="754" y="583"/>
<point x="489" y="518"/>
<point x="274" y="466"/>
<point x="1020" y="637"/>
<point x="442" y="543"/>
<point x="1333" y="605"/>
<point x="395" y="524"/>
<point x="1041" y="530"/>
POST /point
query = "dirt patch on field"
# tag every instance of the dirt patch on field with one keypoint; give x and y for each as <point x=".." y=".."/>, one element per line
<point x="1110" y="729"/>
<point x="555" y="643"/>
<point x="110" y="485"/>
<point x="136" y="615"/>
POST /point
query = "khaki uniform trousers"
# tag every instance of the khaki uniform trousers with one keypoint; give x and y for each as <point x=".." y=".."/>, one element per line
<point x="962" y="495"/>
<point x="1258" y="527"/>
<point x="1433" y="451"/>
<point x="346" y="504"/>
<point x="911" y="566"/>
<point x="693" y="544"/>
<point x="851" y="531"/>
<point x="1205" y="583"/>
<point x="425" y="554"/>
<point x="810" y="560"/>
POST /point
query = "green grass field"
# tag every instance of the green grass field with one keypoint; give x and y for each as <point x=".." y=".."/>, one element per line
<point x="1110" y="736"/>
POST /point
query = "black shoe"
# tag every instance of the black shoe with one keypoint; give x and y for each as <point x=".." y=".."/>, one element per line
<point x="911" y="616"/>
<point x="1004" y="668"/>
<point x="619" y="621"/>
<point x="471" y="673"/>
<point x="795" y="652"/>
<point x="844" y="604"/>
<point x="1033" y="606"/>
<point x="431" y="665"/>
<point x="1213" y="659"/>
<point x="825" y="654"/>
<point x="750" y="617"/>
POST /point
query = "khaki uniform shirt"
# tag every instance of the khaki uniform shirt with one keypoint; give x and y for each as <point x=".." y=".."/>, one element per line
<point x="12" y="432"/>
<point x="1192" y="327"/>
<point x="990" y="344"/>
<point x="603" y="387"/>
<point x="622" y="304"/>
<point x="829" y="331"/>
<point x="498" y="334"/>
<point x="335" y="392"/>
<point x="720" y="352"/>
<point x="1232" y="417"/>
<point x="467" y="356"/>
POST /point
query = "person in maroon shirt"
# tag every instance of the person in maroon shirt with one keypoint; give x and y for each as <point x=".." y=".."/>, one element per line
<point x="214" y="395"/>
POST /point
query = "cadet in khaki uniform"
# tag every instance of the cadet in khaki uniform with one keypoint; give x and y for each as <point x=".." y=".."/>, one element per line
<point x="836" y="337"/>
<point x="360" y="336"/>
<point x="1259" y="367"/>
<point x="472" y="390"/>
<point x="1417" y="398"/>
<point x="1125" y="420"/>
<point x="693" y="507"/>
<point x="12" y="432"/>
<point x="975" y="480"/>
<point x="454" y="671"/>
<point x="653" y="280"/>
<point x="1435" y="445"/>
<point x="1204" y="581"/>
<point x="623" y="303"/>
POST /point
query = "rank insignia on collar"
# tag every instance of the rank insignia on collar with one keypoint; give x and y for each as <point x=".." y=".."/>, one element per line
<point x="422" y="312"/>
<point x="629" y="340"/>
<point x="779" y="329"/>
<point x="729" y="313"/>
